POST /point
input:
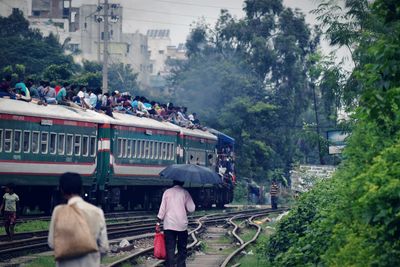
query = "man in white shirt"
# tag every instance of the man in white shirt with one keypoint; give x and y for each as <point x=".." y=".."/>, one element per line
<point x="71" y="188"/>
<point x="175" y="204"/>
<point x="10" y="200"/>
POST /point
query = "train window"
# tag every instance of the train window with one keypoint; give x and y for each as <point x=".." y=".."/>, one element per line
<point x="134" y="148"/>
<point x="69" y="145"/>
<point x="155" y="150"/>
<point x="44" y="142"/>
<point x="92" y="146"/>
<point x="17" y="141"/>
<point x="8" y="140"/>
<point x="141" y="148"/>
<point x="138" y="143"/>
<point x="85" y="146"/>
<point x="119" y="147"/>
<point x="1" y="140"/>
<point x="129" y="148"/>
<point x="160" y="150"/>
<point x="27" y="141"/>
<point x="124" y="148"/>
<point x="172" y="151"/>
<point x="35" y="142"/>
<point x="164" y="151"/>
<point x="77" y="145"/>
<point x="146" y="149"/>
<point x="151" y="152"/>
<point x="53" y="143"/>
<point x="167" y="152"/>
<point x="61" y="144"/>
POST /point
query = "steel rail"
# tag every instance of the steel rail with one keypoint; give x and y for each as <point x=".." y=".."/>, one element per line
<point x="237" y="251"/>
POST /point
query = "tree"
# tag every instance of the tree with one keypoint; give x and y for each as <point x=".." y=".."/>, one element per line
<point x="21" y="45"/>
<point x="352" y="219"/>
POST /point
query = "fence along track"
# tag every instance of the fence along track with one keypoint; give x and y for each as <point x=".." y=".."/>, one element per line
<point x="243" y="245"/>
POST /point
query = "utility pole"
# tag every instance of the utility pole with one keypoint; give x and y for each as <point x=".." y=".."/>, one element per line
<point x="99" y="36"/>
<point x="105" y="52"/>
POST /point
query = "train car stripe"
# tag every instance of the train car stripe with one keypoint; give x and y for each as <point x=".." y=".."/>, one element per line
<point x="45" y="168"/>
<point x="47" y="120"/>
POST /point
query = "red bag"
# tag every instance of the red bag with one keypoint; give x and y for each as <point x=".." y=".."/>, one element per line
<point x="159" y="246"/>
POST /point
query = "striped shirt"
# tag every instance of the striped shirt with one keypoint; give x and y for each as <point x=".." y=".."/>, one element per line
<point x="274" y="190"/>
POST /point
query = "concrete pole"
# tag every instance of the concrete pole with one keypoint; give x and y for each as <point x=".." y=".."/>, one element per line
<point x="105" y="52"/>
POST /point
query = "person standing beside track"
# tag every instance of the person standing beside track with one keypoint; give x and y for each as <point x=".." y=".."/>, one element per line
<point x="274" y="191"/>
<point x="10" y="200"/>
<point x="175" y="204"/>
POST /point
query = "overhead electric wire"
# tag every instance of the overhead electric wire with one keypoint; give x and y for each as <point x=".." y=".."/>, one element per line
<point x="198" y="5"/>
<point x="167" y="13"/>
<point x="159" y="22"/>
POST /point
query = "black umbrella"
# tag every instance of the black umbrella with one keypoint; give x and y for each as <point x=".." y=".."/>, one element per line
<point x="190" y="173"/>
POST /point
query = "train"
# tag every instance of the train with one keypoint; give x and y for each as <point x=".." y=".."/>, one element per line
<point x="119" y="157"/>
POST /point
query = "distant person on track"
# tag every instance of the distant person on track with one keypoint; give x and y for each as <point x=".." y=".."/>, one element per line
<point x="71" y="187"/>
<point x="274" y="191"/>
<point x="176" y="203"/>
<point x="10" y="200"/>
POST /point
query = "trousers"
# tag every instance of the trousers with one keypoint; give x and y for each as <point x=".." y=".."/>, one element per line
<point x="274" y="202"/>
<point x="175" y="239"/>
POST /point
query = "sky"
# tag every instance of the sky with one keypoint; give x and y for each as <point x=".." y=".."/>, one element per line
<point x="178" y="15"/>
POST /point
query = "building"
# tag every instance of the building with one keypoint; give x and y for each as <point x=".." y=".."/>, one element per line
<point x="126" y="48"/>
<point x="7" y="6"/>
<point x="161" y="53"/>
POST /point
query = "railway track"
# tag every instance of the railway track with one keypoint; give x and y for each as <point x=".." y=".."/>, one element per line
<point x="36" y="242"/>
<point x="200" y="223"/>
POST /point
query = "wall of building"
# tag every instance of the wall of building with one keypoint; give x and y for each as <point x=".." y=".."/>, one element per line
<point x="7" y="6"/>
<point x="303" y="177"/>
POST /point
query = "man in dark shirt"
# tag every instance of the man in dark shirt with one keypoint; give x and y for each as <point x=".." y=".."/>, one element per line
<point x="5" y="88"/>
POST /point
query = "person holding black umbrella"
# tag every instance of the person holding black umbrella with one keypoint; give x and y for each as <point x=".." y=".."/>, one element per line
<point x="176" y="203"/>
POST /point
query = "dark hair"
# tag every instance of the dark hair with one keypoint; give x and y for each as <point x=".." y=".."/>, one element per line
<point x="71" y="183"/>
<point x="65" y="84"/>
<point x="176" y="182"/>
<point x="10" y="186"/>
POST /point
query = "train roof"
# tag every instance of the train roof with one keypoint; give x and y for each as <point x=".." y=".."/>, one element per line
<point x="21" y="108"/>
<point x="198" y="133"/>
<point x="135" y="121"/>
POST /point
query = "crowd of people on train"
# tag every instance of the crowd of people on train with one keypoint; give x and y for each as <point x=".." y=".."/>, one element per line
<point x="79" y="96"/>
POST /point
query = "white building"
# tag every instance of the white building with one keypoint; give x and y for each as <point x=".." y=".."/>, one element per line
<point x="7" y="6"/>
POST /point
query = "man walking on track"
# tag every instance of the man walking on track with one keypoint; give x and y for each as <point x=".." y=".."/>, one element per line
<point x="10" y="200"/>
<point x="175" y="204"/>
<point x="86" y="217"/>
<point x="274" y="191"/>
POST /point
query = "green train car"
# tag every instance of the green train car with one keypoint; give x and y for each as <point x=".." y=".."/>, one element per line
<point x="119" y="158"/>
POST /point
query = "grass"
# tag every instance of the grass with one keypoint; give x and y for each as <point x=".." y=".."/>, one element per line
<point x="257" y="259"/>
<point x="108" y="260"/>
<point x="247" y="234"/>
<point x="43" y="261"/>
<point x="29" y="226"/>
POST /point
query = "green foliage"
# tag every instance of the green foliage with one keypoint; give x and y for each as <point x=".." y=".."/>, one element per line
<point x="249" y="78"/>
<point x="240" y="193"/>
<point x="21" y="45"/>
<point x="353" y="219"/>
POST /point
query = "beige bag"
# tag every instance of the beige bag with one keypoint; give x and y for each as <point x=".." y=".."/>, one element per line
<point x="72" y="237"/>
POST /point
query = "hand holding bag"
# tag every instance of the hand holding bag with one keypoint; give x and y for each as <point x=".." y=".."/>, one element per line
<point x="160" y="251"/>
<point x="72" y="236"/>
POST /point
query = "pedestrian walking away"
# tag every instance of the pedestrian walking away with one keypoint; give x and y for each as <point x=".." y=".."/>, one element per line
<point x="85" y="220"/>
<point x="10" y="201"/>
<point x="274" y="191"/>
<point x="176" y="203"/>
